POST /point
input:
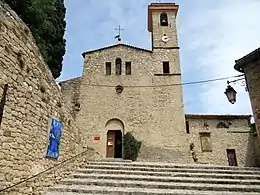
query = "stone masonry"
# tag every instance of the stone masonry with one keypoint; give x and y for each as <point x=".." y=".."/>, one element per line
<point x="151" y="105"/>
<point x="70" y="94"/>
<point x="32" y="99"/>
<point x="234" y="135"/>
<point x="250" y="66"/>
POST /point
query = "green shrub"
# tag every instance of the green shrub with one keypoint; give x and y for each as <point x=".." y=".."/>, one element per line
<point x="131" y="147"/>
<point x="253" y="128"/>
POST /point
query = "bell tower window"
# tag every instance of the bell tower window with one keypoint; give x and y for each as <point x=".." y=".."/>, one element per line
<point x="164" y="19"/>
<point x="166" y="68"/>
<point x="118" y="66"/>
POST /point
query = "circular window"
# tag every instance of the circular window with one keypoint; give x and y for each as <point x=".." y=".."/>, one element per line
<point x="119" y="89"/>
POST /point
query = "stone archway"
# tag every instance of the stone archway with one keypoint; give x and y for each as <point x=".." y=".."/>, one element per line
<point x="114" y="146"/>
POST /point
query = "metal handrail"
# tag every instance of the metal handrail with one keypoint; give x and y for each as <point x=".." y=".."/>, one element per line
<point x="2" y="102"/>
<point x="27" y="179"/>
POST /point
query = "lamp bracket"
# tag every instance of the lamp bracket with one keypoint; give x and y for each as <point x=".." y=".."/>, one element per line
<point x="240" y="81"/>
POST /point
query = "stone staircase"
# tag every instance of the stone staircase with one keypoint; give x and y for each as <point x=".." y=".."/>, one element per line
<point x="140" y="178"/>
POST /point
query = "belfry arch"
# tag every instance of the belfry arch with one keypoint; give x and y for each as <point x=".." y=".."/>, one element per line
<point x="163" y="19"/>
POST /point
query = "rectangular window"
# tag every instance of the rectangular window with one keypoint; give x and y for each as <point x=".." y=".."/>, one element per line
<point x="205" y="140"/>
<point x="166" y="68"/>
<point x="128" y="68"/>
<point x="118" y="66"/>
<point x="108" y="68"/>
<point x="2" y="103"/>
<point x="187" y="127"/>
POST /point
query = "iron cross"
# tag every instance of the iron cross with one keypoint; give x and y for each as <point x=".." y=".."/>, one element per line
<point x="119" y="30"/>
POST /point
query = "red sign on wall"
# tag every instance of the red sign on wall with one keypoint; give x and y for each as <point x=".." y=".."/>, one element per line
<point x="96" y="138"/>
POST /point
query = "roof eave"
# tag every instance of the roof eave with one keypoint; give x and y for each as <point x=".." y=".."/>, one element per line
<point x="111" y="46"/>
<point x="247" y="59"/>
<point x="212" y="116"/>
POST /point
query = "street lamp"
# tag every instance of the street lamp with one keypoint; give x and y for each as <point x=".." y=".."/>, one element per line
<point x="231" y="94"/>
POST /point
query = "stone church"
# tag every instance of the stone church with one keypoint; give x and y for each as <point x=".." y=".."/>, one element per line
<point x="125" y="88"/>
<point x="122" y="89"/>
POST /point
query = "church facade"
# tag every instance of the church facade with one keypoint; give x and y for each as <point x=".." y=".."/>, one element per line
<point x="125" y="88"/>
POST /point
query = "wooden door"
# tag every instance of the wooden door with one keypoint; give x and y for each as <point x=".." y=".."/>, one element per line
<point x="232" y="160"/>
<point x="110" y="144"/>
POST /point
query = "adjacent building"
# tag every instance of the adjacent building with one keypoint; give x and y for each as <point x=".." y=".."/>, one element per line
<point x="250" y="66"/>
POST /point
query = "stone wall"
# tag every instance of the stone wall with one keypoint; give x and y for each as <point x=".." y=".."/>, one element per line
<point x="32" y="99"/>
<point x="252" y="72"/>
<point x="250" y="66"/>
<point x="40" y="183"/>
<point x="70" y="93"/>
<point x="235" y="135"/>
<point x="170" y="31"/>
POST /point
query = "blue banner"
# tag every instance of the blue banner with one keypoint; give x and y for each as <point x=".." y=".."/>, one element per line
<point x="54" y="139"/>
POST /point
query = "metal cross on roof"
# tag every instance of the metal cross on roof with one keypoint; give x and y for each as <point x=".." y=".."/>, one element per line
<point x="119" y="35"/>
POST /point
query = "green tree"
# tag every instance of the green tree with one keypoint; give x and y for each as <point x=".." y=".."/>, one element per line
<point x="46" y="20"/>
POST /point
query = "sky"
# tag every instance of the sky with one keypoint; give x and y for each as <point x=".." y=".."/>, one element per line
<point x="211" y="34"/>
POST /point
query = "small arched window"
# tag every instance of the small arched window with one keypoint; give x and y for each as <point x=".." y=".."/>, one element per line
<point x="118" y="66"/>
<point x="163" y="19"/>
<point x="221" y="124"/>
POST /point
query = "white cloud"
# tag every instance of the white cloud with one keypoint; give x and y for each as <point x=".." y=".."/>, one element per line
<point x="220" y="35"/>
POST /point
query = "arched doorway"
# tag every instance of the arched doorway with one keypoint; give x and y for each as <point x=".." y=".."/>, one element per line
<point x="114" y="146"/>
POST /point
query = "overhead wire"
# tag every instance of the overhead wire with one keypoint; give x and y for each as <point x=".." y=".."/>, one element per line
<point x="168" y="85"/>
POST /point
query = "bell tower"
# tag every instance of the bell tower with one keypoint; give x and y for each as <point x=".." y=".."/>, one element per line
<point x="162" y="25"/>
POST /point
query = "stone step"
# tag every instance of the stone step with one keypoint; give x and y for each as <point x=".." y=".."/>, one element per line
<point x="167" y="174"/>
<point x="69" y="193"/>
<point x="109" y="160"/>
<point x="117" y="176"/>
<point x="169" y="165"/>
<point x="166" y="179"/>
<point x="136" y="191"/>
<point x="93" y="189"/>
<point x="161" y="169"/>
<point x="174" y="192"/>
<point x="160" y="185"/>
